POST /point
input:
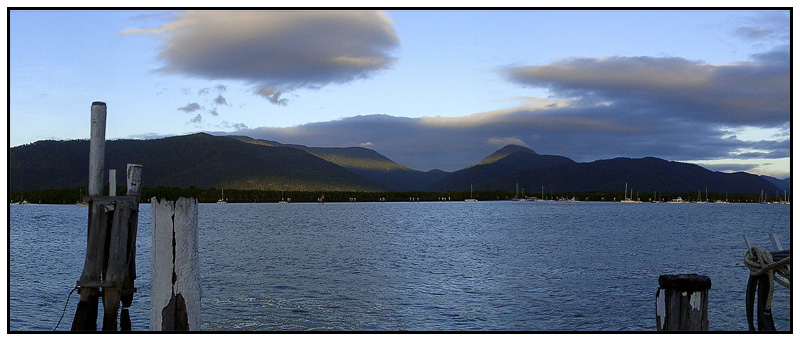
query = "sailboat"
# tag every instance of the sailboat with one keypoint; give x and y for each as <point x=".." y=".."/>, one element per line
<point x="785" y="198"/>
<point x="81" y="202"/>
<point x="630" y="200"/>
<point x="471" y="199"/>
<point x="720" y="201"/>
<point x="700" y="198"/>
<point x="516" y="194"/>
<point x="283" y="200"/>
<point x="222" y="200"/>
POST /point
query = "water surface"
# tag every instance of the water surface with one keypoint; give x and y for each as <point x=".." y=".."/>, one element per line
<point x="419" y="266"/>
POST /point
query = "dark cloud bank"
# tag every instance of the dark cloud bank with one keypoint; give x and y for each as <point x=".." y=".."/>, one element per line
<point x="670" y="108"/>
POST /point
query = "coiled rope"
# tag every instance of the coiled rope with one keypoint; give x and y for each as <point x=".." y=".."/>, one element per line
<point x="760" y="262"/>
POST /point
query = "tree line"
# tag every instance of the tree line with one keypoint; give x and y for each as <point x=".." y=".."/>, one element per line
<point x="210" y="195"/>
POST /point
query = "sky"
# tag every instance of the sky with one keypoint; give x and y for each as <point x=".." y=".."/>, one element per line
<point x="428" y="89"/>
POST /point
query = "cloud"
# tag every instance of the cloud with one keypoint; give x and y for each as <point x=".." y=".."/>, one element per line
<point x="753" y="93"/>
<point x="229" y="125"/>
<point x="500" y="142"/>
<point x="149" y="136"/>
<point x="773" y="26"/>
<point x="583" y="134"/>
<point x="220" y="100"/>
<point x="205" y="91"/>
<point x="213" y="112"/>
<point x="366" y="144"/>
<point x="731" y="167"/>
<point x="196" y="120"/>
<point x="284" y="50"/>
<point x="670" y="108"/>
<point x="271" y="94"/>
<point x="190" y="107"/>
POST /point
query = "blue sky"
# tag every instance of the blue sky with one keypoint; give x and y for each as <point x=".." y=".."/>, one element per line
<point x="428" y="89"/>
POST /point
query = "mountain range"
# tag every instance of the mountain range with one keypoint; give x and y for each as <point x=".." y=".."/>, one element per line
<point x="241" y="162"/>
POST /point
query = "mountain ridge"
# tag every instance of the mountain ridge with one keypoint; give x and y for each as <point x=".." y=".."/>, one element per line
<point x="241" y="162"/>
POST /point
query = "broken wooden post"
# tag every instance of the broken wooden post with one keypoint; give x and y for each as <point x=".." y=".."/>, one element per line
<point x="134" y="179"/>
<point x="134" y="182"/>
<point x="175" y="289"/>
<point x="682" y="303"/>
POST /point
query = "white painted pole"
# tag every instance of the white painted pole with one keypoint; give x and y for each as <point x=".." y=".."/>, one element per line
<point x="97" y="148"/>
<point x="175" y="254"/>
<point x="112" y="182"/>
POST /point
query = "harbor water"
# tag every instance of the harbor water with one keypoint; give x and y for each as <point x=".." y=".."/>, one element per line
<point x="438" y="266"/>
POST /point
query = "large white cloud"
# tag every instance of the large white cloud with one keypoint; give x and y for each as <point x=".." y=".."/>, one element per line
<point x="277" y="50"/>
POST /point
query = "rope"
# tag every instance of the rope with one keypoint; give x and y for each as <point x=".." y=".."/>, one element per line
<point x="762" y="263"/>
<point x="65" y="307"/>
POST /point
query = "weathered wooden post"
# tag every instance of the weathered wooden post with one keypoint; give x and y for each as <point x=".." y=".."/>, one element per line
<point x="112" y="182"/>
<point x="97" y="148"/>
<point x="134" y="183"/>
<point x="111" y="240"/>
<point x="682" y="303"/>
<point x="175" y="289"/>
<point x="86" y="313"/>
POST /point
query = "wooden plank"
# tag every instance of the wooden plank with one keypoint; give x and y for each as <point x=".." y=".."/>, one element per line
<point x="86" y="312"/>
<point x="175" y="287"/>
<point x="704" y="322"/>
<point x="128" y="288"/>
<point x="695" y="310"/>
<point x="117" y="263"/>
<point x="661" y="309"/>
<point x="187" y="264"/>
<point x="683" y="311"/>
<point x="161" y="260"/>
<point x="112" y="182"/>
<point x="673" y="310"/>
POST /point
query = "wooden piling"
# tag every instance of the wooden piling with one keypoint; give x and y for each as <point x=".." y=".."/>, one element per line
<point x="682" y="303"/>
<point x="134" y="182"/>
<point x="116" y="267"/>
<point x="97" y="148"/>
<point x="112" y="182"/>
<point x="111" y="240"/>
<point x="134" y="173"/>
<point x="175" y="289"/>
<point x="86" y="313"/>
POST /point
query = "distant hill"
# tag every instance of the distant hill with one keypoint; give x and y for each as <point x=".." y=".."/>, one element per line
<point x="368" y="164"/>
<point x="645" y="176"/>
<point x="199" y="160"/>
<point x="782" y="184"/>
<point x="241" y="162"/>
<point x="505" y="162"/>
